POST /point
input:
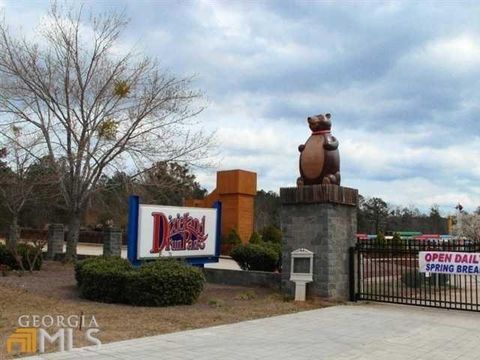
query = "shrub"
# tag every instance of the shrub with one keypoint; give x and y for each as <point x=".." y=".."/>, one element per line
<point x="157" y="283"/>
<point x="103" y="278"/>
<point x="255" y="238"/>
<point x="278" y="250"/>
<point x="79" y="265"/>
<point x="230" y="241"/>
<point x="439" y="279"/>
<point x="232" y="238"/>
<point x="256" y="257"/>
<point x="396" y="244"/>
<point x="415" y="279"/>
<point x="272" y="234"/>
<point x="397" y="240"/>
<point x="164" y="283"/>
<point x="4" y="269"/>
<point x="380" y="240"/>
<point x="31" y="259"/>
<point x="6" y="257"/>
<point x="26" y="252"/>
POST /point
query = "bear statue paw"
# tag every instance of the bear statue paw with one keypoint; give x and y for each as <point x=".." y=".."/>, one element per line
<point x="331" y="179"/>
<point x="300" y="182"/>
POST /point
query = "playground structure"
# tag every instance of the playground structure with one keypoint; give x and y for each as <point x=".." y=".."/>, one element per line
<point x="410" y="235"/>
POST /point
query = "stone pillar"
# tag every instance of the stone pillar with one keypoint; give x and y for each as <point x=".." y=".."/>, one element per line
<point x="112" y="242"/>
<point x="55" y="241"/>
<point x="322" y="219"/>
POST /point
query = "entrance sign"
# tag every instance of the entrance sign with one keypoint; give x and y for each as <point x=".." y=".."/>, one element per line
<point x="168" y="231"/>
<point x="156" y="231"/>
<point x="445" y="262"/>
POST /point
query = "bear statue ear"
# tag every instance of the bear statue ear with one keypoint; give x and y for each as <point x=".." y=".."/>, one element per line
<point x="328" y="115"/>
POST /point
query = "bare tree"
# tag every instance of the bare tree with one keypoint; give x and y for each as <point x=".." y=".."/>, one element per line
<point x="468" y="226"/>
<point x="16" y="182"/>
<point x="168" y="184"/>
<point x="97" y="111"/>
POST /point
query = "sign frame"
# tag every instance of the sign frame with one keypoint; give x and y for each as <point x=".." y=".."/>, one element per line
<point x="133" y="227"/>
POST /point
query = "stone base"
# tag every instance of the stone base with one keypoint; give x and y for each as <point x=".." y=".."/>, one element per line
<point x="112" y="242"/>
<point x="55" y="243"/>
<point x="322" y="219"/>
<point x="314" y="194"/>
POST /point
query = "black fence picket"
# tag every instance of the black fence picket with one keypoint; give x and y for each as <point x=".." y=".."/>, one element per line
<point x="388" y="272"/>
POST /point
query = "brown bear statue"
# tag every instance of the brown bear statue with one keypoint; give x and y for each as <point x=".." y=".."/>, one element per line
<point x="319" y="157"/>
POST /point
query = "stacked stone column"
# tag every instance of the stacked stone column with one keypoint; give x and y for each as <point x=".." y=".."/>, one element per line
<point x="55" y="240"/>
<point x="112" y="242"/>
<point x="322" y="219"/>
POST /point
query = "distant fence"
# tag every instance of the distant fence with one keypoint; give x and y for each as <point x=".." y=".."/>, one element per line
<point x="86" y="236"/>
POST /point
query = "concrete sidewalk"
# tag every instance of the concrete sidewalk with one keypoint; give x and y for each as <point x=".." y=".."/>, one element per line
<point x="224" y="262"/>
<point x="366" y="331"/>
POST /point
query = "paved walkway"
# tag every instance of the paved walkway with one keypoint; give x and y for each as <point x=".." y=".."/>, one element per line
<point x="353" y="332"/>
<point x="225" y="262"/>
<point x="97" y="249"/>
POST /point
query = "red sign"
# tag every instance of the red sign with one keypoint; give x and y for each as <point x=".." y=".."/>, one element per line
<point x="179" y="233"/>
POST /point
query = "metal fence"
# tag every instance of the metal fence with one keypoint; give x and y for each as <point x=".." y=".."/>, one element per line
<point x="388" y="272"/>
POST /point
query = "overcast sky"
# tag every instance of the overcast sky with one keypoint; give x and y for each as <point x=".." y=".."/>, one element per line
<point x="401" y="80"/>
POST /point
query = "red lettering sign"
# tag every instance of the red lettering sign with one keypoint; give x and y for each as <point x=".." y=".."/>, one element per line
<point x="182" y="232"/>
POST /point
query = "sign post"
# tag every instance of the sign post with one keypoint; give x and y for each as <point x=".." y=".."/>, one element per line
<point x="132" y="235"/>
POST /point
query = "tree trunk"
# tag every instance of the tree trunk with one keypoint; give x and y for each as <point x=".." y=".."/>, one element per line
<point x="72" y="236"/>
<point x="13" y="233"/>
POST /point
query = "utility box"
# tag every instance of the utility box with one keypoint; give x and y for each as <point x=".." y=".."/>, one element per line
<point x="301" y="271"/>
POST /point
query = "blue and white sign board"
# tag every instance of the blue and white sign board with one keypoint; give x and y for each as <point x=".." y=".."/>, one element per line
<point x="156" y="231"/>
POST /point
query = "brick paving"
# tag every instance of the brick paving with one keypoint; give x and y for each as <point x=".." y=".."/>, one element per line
<point x="350" y="332"/>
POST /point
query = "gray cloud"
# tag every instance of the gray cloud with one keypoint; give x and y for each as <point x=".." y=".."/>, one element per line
<point x="401" y="79"/>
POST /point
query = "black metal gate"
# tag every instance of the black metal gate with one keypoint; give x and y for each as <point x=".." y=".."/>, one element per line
<point x="388" y="272"/>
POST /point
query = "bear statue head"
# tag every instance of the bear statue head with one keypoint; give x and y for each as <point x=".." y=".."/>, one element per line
<point x="319" y="122"/>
